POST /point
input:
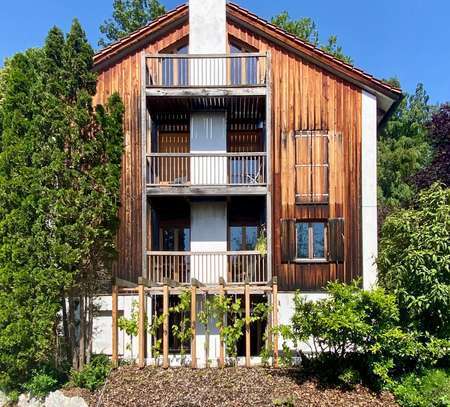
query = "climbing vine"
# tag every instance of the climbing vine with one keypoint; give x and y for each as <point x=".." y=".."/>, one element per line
<point x="182" y="331"/>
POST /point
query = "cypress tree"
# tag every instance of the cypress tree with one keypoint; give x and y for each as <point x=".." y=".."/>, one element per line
<point x="59" y="195"/>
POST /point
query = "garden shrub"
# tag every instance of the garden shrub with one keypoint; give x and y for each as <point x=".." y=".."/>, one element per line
<point x="42" y="382"/>
<point x="414" y="262"/>
<point x="354" y="328"/>
<point x="431" y="388"/>
<point x="93" y="374"/>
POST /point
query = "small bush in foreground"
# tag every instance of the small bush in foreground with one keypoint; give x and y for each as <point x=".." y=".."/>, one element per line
<point x="93" y="375"/>
<point x="41" y="383"/>
<point x="429" y="389"/>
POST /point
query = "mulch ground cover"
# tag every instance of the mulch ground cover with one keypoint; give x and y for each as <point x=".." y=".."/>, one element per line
<point x="183" y="387"/>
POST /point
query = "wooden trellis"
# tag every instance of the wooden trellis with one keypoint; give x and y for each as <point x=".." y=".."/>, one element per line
<point x="146" y="287"/>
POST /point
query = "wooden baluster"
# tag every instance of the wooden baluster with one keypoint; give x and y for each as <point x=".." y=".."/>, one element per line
<point x="115" y="326"/>
<point x="247" y="324"/>
<point x="275" y="321"/>
<point x="166" y="325"/>
<point x="193" y="326"/>
<point x="141" y="324"/>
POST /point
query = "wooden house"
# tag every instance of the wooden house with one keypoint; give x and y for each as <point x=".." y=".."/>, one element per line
<point x="249" y="154"/>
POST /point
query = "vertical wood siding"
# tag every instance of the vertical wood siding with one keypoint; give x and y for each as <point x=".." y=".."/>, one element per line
<point x="305" y="97"/>
<point x="124" y="77"/>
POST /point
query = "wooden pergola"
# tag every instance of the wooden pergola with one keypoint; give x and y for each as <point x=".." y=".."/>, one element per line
<point x="169" y="287"/>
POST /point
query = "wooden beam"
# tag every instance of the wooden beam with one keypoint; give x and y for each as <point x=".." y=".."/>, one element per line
<point x="259" y="90"/>
<point x="193" y="326"/>
<point x="124" y="283"/>
<point x="206" y="190"/>
<point x="141" y="326"/>
<point x="166" y="326"/>
<point x="196" y="283"/>
<point x="275" y="321"/>
<point x="115" y="325"/>
<point x="146" y="283"/>
<point x="221" y="343"/>
<point x="247" y="325"/>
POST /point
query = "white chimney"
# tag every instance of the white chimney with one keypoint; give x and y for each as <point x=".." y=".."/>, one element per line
<point x="207" y="27"/>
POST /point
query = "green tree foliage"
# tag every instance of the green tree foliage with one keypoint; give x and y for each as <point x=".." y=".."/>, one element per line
<point x="403" y="149"/>
<point x="414" y="261"/>
<point x="128" y="16"/>
<point x="59" y="194"/>
<point x="306" y="29"/>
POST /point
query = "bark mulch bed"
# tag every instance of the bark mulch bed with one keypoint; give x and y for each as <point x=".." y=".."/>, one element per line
<point x="130" y="386"/>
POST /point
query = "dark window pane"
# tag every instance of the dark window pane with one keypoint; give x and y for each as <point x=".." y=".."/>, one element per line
<point x="168" y="240"/>
<point x="185" y="240"/>
<point x="251" y="235"/>
<point x="236" y="238"/>
<point x="302" y="240"/>
<point x="318" y="240"/>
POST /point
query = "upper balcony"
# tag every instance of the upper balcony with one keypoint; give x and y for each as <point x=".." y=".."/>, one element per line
<point x="206" y="75"/>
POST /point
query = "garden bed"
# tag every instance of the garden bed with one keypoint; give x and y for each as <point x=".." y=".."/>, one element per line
<point x="130" y="386"/>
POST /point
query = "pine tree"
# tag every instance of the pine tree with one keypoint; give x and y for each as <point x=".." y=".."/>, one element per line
<point x="128" y="16"/>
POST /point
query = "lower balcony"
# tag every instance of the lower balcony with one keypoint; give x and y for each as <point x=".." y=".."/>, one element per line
<point x="208" y="268"/>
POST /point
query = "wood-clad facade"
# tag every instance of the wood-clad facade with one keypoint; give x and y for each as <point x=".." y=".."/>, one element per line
<point x="307" y="98"/>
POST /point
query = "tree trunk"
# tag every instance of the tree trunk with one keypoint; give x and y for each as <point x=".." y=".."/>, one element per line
<point x="72" y="333"/>
<point x="65" y="323"/>
<point x="82" y="338"/>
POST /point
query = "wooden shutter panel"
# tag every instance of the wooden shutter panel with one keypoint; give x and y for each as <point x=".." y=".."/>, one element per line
<point x="288" y="241"/>
<point x="336" y="239"/>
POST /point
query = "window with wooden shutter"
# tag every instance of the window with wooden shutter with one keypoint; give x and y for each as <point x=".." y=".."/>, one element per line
<point x="336" y="239"/>
<point x="311" y="167"/>
<point x="288" y="240"/>
<point x="311" y="242"/>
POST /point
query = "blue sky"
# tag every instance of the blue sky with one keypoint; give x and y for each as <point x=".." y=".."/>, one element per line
<point x="403" y="38"/>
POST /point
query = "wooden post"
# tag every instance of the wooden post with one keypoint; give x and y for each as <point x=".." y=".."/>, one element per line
<point x="275" y="320"/>
<point x="166" y="326"/>
<point x="221" y="344"/>
<point x="193" y="326"/>
<point x="247" y="324"/>
<point x="141" y="324"/>
<point x="115" y="326"/>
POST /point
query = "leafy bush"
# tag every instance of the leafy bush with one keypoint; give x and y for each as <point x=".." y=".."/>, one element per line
<point x="414" y="262"/>
<point x="94" y="374"/>
<point x="42" y="382"/>
<point x="429" y="389"/>
<point x="357" y="328"/>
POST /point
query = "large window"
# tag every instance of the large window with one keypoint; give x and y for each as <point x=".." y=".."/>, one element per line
<point x="311" y="240"/>
<point x="243" y="71"/>
<point x="175" y="71"/>
<point x="311" y="167"/>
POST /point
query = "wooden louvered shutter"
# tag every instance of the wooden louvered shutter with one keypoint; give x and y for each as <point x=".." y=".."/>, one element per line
<point x="288" y="241"/>
<point x="336" y="239"/>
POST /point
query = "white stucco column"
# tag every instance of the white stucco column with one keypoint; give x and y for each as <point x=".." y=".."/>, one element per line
<point x="369" y="189"/>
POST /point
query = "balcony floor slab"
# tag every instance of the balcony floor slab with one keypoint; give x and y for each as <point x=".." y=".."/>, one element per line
<point x="207" y="190"/>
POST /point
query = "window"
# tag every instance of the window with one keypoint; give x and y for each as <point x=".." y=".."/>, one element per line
<point x="311" y="240"/>
<point x="174" y="71"/>
<point x="243" y="70"/>
<point x="243" y="238"/>
<point x="311" y="167"/>
<point x="175" y="239"/>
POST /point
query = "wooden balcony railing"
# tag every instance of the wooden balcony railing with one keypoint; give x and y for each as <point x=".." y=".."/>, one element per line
<point x="185" y="70"/>
<point x="201" y="169"/>
<point x="208" y="268"/>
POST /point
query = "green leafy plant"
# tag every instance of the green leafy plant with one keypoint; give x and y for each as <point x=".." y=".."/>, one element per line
<point x="429" y="388"/>
<point x="153" y="327"/>
<point x="42" y="382"/>
<point x="414" y="262"/>
<point x="204" y="317"/>
<point x="130" y="325"/>
<point x="93" y="374"/>
<point x="183" y="331"/>
<point x="261" y="241"/>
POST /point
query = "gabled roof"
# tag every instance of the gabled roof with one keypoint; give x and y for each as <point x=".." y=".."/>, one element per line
<point x="262" y="27"/>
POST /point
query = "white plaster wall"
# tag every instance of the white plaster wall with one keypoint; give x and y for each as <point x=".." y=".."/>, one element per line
<point x="208" y="236"/>
<point x="208" y="134"/>
<point x="369" y="189"/>
<point x="207" y="35"/>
